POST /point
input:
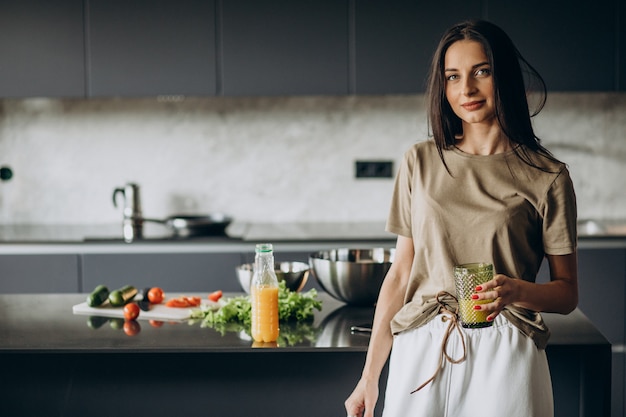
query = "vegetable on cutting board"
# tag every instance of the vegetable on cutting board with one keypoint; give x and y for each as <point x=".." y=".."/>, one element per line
<point x="120" y="297"/>
<point x="215" y="296"/>
<point x="131" y="311"/>
<point x="183" y="301"/>
<point x="98" y="296"/>
<point x="156" y="295"/>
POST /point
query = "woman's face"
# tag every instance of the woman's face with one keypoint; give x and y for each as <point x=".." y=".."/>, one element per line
<point x="469" y="84"/>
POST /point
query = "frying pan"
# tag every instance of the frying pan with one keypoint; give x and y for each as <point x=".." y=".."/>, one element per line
<point x="196" y="225"/>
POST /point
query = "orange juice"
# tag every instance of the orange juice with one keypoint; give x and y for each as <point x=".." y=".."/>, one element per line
<point x="264" y="313"/>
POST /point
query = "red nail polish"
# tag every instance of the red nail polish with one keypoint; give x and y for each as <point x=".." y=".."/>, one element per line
<point x="489" y="318"/>
<point x="474" y="297"/>
<point x="477" y="307"/>
<point x="479" y="288"/>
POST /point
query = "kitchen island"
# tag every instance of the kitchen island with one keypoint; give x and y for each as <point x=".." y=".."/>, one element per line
<point x="55" y="362"/>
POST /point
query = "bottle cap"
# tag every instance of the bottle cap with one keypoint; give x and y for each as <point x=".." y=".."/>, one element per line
<point x="264" y="248"/>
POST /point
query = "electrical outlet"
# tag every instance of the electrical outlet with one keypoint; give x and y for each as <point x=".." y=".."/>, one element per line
<point x="374" y="169"/>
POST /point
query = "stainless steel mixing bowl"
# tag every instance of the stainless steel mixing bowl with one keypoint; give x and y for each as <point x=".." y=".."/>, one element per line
<point x="353" y="276"/>
<point x="295" y="274"/>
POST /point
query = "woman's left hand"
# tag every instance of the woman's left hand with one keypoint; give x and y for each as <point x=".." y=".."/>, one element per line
<point x="503" y="290"/>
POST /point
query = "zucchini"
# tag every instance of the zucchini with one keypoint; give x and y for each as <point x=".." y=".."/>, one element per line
<point x="121" y="296"/>
<point x="98" y="296"/>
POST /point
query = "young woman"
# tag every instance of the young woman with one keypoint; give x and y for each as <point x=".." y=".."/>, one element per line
<point x="483" y="190"/>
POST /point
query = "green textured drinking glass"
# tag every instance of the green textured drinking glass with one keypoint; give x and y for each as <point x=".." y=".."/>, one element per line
<point x="466" y="278"/>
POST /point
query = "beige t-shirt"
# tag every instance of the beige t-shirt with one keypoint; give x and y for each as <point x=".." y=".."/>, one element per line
<point x="493" y="208"/>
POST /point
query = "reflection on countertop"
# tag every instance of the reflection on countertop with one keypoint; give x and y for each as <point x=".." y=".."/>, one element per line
<point x="51" y="327"/>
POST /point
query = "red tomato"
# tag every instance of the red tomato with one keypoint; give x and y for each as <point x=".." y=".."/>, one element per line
<point x="156" y="295"/>
<point x="215" y="295"/>
<point x="131" y="311"/>
<point x="184" y="302"/>
<point x="177" y="302"/>
<point x="194" y="301"/>
<point x="131" y="327"/>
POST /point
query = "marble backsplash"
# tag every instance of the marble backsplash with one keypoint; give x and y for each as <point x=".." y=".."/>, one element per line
<point x="264" y="159"/>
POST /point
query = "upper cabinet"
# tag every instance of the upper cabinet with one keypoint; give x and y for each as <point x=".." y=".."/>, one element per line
<point x="42" y="48"/>
<point x="134" y="48"/>
<point x="395" y="41"/>
<point x="621" y="42"/>
<point x="284" y="47"/>
<point x="151" y="47"/>
<point x="572" y="46"/>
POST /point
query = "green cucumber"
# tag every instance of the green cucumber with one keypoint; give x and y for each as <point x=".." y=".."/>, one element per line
<point x="98" y="296"/>
<point x="120" y="297"/>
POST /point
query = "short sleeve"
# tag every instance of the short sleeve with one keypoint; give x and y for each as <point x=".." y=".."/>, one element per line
<point x="399" y="220"/>
<point x="559" y="216"/>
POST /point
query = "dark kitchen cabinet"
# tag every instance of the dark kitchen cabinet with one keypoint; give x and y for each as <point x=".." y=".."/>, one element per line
<point x="39" y="273"/>
<point x="621" y="42"/>
<point x="602" y="297"/>
<point x="571" y="44"/>
<point x="151" y="47"/>
<point x="175" y="272"/>
<point x="602" y="289"/>
<point x="395" y="41"/>
<point x="284" y="47"/>
<point x="42" y="48"/>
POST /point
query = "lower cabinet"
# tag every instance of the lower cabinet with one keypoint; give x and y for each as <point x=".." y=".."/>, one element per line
<point x="178" y="272"/>
<point x="602" y="297"/>
<point x="39" y="273"/>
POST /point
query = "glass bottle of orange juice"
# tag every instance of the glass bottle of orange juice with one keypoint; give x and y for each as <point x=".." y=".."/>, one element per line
<point x="264" y="295"/>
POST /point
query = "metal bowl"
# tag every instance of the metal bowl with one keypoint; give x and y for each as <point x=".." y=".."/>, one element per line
<point x="295" y="275"/>
<point x="353" y="276"/>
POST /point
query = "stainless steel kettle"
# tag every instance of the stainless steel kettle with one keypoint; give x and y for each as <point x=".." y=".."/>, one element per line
<point x="132" y="224"/>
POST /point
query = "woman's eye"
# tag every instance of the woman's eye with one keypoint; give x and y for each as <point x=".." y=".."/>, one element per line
<point x="483" y="71"/>
<point x="451" y="77"/>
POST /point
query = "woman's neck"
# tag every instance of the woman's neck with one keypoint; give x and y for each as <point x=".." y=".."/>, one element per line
<point x="483" y="140"/>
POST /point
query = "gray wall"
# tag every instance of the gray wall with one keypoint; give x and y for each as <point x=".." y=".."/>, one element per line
<point x="261" y="159"/>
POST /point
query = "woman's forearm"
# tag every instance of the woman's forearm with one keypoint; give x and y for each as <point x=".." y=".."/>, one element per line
<point x="560" y="295"/>
<point x="389" y="302"/>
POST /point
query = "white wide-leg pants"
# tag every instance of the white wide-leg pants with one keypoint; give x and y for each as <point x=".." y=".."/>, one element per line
<point x="503" y="375"/>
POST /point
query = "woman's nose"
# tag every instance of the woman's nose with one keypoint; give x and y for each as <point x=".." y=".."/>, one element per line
<point x="469" y="87"/>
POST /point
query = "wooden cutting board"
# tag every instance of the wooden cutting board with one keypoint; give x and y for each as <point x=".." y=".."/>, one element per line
<point x="157" y="311"/>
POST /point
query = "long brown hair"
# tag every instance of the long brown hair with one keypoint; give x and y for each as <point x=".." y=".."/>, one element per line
<point x="510" y="89"/>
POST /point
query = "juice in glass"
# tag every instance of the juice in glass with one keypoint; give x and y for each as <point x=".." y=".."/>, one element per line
<point x="467" y="277"/>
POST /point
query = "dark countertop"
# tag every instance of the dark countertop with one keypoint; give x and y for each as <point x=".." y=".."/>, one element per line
<point x="44" y="323"/>
<point x="58" y="365"/>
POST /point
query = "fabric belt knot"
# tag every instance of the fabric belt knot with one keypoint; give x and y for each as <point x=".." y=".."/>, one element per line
<point x="453" y="324"/>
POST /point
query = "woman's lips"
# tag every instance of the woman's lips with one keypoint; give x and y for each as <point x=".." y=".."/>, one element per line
<point x="473" y="105"/>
